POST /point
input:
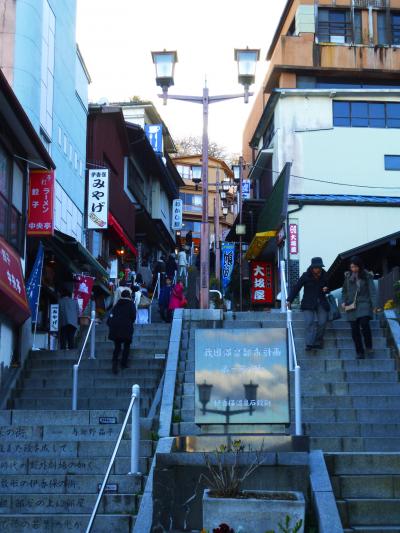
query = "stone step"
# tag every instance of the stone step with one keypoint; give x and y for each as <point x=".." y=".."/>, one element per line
<point x="375" y="529"/>
<point x="138" y="363"/>
<point x="357" y="376"/>
<point x="364" y="486"/>
<point x="70" y="449"/>
<point x="58" y="418"/>
<point x="66" y="484"/>
<point x="341" y="353"/>
<point x="67" y="503"/>
<point x="363" y="463"/>
<point x="352" y="389"/>
<point x="355" y="444"/>
<point x="362" y="512"/>
<point x="146" y="390"/>
<point x="144" y="379"/>
<point x="67" y="466"/>
<point x="83" y="403"/>
<point x="346" y="415"/>
<point x="86" y="364"/>
<point x="342" y="429"/>
<point x="370" y="365"/>
<point x="339" y="342"/>
<point x="41" y="373"/>
<point x="60" y="523"/>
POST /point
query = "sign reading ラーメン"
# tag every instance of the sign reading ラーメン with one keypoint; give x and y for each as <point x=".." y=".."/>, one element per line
<point x="241" y="376"/>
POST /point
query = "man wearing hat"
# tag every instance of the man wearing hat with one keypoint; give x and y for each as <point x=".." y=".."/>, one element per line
<point x="314" y="303"/>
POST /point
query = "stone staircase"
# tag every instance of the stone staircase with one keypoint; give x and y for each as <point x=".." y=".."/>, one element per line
<point x="52" y="459"/>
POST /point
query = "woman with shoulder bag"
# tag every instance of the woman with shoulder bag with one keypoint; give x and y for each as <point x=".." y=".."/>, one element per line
<point x="359" y="303"/>
<point x="120" y="323"/>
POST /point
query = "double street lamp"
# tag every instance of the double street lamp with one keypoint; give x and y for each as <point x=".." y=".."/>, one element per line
<point x="165" y="62"/>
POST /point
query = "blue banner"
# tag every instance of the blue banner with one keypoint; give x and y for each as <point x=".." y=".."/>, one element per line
<point x="227" y="263"/>
<point x="154" y="133"/>
<point x="33" y="285"/>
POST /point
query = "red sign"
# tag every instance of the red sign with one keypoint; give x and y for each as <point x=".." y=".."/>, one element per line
<point x="294" y="239"/>
<point x="262" y="291"/>
<point x="13" y="300"/>
<point x="83" y="286"/>
<point x="41" y="202"/>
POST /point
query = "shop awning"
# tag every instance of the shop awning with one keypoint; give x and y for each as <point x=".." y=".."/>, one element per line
<point x="259" y="242"/>
<point x="13" y="301"/>
<point x="117" y="228"/>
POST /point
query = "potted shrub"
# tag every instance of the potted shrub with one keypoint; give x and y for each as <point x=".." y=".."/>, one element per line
<point x="225" y="502"/>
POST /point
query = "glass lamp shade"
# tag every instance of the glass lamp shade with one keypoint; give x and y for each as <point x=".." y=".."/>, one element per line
<point x="204" y="392"/>
<point x="226" y="185"/>
<point x="223" y="195"/>
<point x="225" y="211"/>
<point x="250" y="391"/>
<point x="247" y="61"/>
<point x="196" y="174"/>
<point x="165" y="66"/>
<point x="240" y="229"/>
<point x="236" y="173"/>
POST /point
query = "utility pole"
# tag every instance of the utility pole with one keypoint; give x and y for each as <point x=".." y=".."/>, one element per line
<point x="241" y="237"/>
<point x="216" y="228"/>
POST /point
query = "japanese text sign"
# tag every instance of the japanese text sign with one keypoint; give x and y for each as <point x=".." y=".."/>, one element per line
<point x="227" y="263"/>
<point x="154" y="133"/>
<point x="54" y="316"/>
<point x="262" y="287"/>
<point x="41" y="202"/>
<point x="97" y="217"/>
<point x="13" y="300"/>
<point x="246" y="189"/>
<point x="294" y="239"/>
<point x="83" y="286"/>
<point x="241" y="376"/>
<point x="177" y="214"/>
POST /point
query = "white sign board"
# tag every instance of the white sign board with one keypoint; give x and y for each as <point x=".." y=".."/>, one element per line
<point x="246" y="189"/>
<point x="177" y="214"/>
<point x="54" y="314"/>
<point x="97" y="217"/>
<point x="114" y="269"/>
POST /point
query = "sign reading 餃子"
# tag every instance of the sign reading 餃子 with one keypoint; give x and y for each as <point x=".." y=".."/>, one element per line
<point x="241" y="376"/>
<point x="294" y="239"/>
<point x="177" y="214"/>
<point x="262" y="291"/>
<point x="97" y="212"/>
<point x="227" y="263"/>
<point x="41" y="202"/>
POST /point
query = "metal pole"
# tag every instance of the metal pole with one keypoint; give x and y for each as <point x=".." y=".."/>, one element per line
<point x="205" y="229"/>
<point x="93" y="332"/>
<point x="37" y="306"/>
<point x="240" y="238"/>
<point x="135" y="431"/>
<point x="158" y="284"/>
<point x="297" y="393"/>
<point x="75" y="370"/>
<point x="283" y="287"/>
<point x="216" y="229"/>
<point x="291" y="340"/>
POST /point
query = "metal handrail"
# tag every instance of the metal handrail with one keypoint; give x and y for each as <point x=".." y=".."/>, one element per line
<point x="134" y="407"/>
<point x="293" y="362"/>
<point x="75" y="368"/>
<point x="156" y="289"/>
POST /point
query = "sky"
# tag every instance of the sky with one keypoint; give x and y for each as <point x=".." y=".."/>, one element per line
<point x="116" y="39"/>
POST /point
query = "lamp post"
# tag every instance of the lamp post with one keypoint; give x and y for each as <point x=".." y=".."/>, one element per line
<point x="250" y="393"/>
<point x="238" y="177"/>
<point x="165" y="64"/>
<point x="216" y="228"/>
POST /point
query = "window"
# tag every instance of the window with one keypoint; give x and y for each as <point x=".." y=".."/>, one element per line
<point x="191" y="202"/>
<point x="65" y="144"/>
<point x="59" y="136"/>
<point x="47" y="71"/>
<point x="184" y="171"/>
<point x="392" y="162"/>
<point x="70" y="152"/>
<point x="97" y="244"/>
<point x="383" y="33"/>
<point x="80" y="168"/>
<point x="12" y="192"/>
<point x="366" y="114"/>
<point x="335" y="26"/>
<point x="76" y="161"/>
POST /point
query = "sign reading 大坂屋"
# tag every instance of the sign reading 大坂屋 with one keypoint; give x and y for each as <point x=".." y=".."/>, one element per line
<point x="241" y="376"/>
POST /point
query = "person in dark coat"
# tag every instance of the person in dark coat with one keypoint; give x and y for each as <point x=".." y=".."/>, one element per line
<point x="171" y="267"/>
<point x="120" y="323"/>
<point x="314" y="303"/>
<point x="164" y="299"/>
<point x="69" y="320"/>
<point x="359" y="289"/>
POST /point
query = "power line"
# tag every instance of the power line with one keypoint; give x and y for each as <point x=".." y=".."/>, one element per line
<point x="327" y="181"/>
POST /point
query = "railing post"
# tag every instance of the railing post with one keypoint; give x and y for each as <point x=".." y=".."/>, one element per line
<point x="291" y="339"/>
<point x="297" y="400"/>
<point x="75" y="370"/>
<point x="283" y="287"/>
<point x="159" y="284"/>
<point x="93" y="332"/>
<point x="135" y="431"/>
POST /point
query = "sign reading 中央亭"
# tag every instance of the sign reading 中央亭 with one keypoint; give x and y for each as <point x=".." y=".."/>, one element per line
<point x="262" y="291"/>
<point x="227" y="263"/>
<point x="154" y="133"/>
<point x="177" y="214"/>
<point x="241" y="376"/>
<point x="294" y="239"/>
<point x="97" y="212"/>
<point x="41" y="203"/>
<point x="246" y="189"/>
<point x="54" y="314"/>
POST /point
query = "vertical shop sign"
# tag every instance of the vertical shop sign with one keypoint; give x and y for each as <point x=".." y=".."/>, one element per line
<point x="294" y="239"/>
<point x="154" y="133"/>
<point x="262" y="291"/>
<point x="98" y="183"/>
<point x="177" y="214"/>
<point x="54" y="314"/>
<point x="227" y="263"/>
<point x="41" y="202"/>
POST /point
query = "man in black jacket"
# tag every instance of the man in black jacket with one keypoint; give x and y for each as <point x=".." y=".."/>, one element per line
<point x="314" y="303"/>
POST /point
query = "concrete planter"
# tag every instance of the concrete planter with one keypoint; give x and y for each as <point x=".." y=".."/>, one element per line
<point x="253" y="515"/>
